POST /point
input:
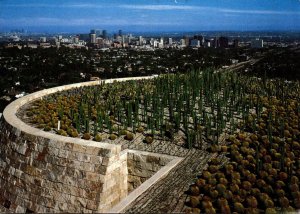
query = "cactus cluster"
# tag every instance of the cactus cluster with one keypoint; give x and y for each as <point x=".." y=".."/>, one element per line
<point x="263" y="171"/>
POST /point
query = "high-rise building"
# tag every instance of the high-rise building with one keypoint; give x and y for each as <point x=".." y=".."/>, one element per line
<point x="182" y="42"/>
<point x="200" y="38"/>
<point x="195" y="43"/>
<point x="99" y="33"/>
<point x="76" y="39"/>
<point x="187" y="40"/>
<point x="257" y="43"/>
<point x="141" y="40"/>
<point x="161" y="40"/>
<point x="123" y="39"/>
<point x="236" y="43"/>
<point x="170" y="41"/>
<point x="92" y="38"/>
<point x="84" y="37"/>
<point x="120" y="33"/>
<point x="216" y="43"/>
<point x="223" y="42"/>
<point x="43" y="39"/>
<point x="104" y="34"/>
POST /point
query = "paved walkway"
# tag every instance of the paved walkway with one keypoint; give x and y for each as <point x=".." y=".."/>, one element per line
<point x="168" y="194"/>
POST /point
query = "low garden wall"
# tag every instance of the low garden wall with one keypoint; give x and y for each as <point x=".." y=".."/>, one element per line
<point x="142" y="165"/>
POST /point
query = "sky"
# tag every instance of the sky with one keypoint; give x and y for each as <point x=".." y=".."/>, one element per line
<point x="149" y="15"/>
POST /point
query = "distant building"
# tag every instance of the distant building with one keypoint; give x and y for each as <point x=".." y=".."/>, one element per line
<point x="216" y="42"/>
<point x="195" y="43"/>
<point x="223" y="42"/>
<point x="104" y="34"/>
<point x="236" y="43"/>
<point x="200" y="38"/>
<point x="120" y="33"/>
<point x="170" y="41"/>
<point x="99" y="33"/>
<point x="93" y="38"/>
<point x="84" y="37"/>
<point x="208" y="43"/>
<point x="161" y="40"/>
<point x="182" y="42"/>
<point x="43" y="39"/>
<point x="141" y="40"/>
<point x="187" y="40"/>
<point x="76" y="39"/>
<point x="257" y="43"/>
<point x="154" y="43"/>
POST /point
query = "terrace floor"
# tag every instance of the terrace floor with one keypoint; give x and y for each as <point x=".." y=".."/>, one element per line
<point x="169" y="194"/>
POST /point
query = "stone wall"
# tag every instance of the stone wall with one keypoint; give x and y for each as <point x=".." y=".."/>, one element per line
<point x="43" y="175"/>
<point x="43" y="172"/>
<point x="142" y="165"/>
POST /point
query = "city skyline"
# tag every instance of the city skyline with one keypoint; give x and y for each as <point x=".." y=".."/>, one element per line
<point x="150" y="16"/>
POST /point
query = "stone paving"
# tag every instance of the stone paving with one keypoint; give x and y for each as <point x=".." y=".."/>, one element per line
<point x="168" y="195"/>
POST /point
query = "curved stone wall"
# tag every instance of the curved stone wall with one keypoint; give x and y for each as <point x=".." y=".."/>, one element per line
<point x="43" y="172"/>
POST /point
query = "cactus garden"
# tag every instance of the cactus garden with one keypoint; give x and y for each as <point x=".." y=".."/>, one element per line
<point x="254" y="123"/>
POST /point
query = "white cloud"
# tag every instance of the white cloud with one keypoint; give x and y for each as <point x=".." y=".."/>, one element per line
<point x="262" y="12"/>
<point x="161" y="7"/>
<point x="158" y="7"/>
<point x="207" y="9"/>
<point x="82" y="5"/>
<point x="108" y="21"/>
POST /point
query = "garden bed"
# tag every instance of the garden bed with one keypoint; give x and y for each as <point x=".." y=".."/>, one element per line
<point x="255" y="122"/>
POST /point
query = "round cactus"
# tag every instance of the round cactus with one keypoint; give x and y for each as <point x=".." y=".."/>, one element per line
<point x="140" y="129"/>
<point x="148" y="139"/>
<point x="194" y="201"/>
<point x="252" y="202"/>
<point x="129" y="136"/>
<point x="47" y="128"/>
<point x="200" y="182"/>
<point x="269" y="203"/>
<point x="113" y="136"/>
<point x="221" y="188"/>
<point x="238" y="207"/>
<point x="213" y="168"/>
<point x="98" y="137"/>
<point x="194" y="190"/>
<point x="246" y="185"/>
<point x="86" y="136"/>
<point x="206" y="175"/>
<point x="284" y="202"/>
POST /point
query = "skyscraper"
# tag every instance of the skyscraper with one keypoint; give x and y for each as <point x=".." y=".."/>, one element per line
<point x="120" y="33"/>
<point x="216" y="42"/>
<point x="223" y="42"/>
<point x="93" y="38"/>
<point x="104" y="34"/>
<point x="141" y="40"/>
<point x="257" y="43"/>
<point x="187" y="40"/>
<point x="236" y="43"/>
<point x="200" y="38"/>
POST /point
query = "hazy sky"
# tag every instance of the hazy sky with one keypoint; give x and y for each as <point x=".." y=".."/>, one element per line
<point x="149" y="15"/>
